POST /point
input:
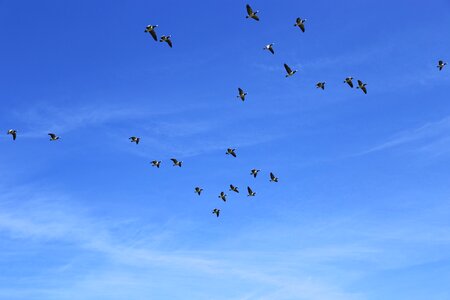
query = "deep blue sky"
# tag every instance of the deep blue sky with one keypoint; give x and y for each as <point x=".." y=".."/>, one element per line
<point x="362" y="209"/>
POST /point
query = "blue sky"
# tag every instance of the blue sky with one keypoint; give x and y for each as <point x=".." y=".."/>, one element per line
<point x="362" y="208"/>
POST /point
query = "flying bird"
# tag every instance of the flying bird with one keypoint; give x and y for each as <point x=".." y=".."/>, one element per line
<point x="198" y="190"/>
<point x="13" y="133"/>
<point x="134" y="139"/>
<point x="362" y="86"/>
<point x="231" y="152"/>
<point x="176" y="162"/>
<point x="273" y="178"/>
<point x="216" y="211"/>
<point x="269" y="47"/>
<point x="300" y="23"/>
<point x="223" y="196"/>
<point x="349" y="81"/>
<point x="242" y="94"/>
<point x="234" y="188"/>
<point x="167" y="39"/>
<point x="320" y="85"/>
<point x="289" y="71"/>
<point x="151" y="29"/>
<point x="250" y="192"/>
<point x="441" y="65"/>
<point x="53" y="137"/>
<point x="251" y="13"/>
<point x="156" y="163"/>
<point x="254" y="172"/>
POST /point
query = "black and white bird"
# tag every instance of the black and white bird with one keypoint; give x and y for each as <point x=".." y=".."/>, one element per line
<point x="167" y="39"/>
<point x="151" y="29"/>
<point x="254" y="172"/>
<point x="231" y="151"/>
<point x="216" y="211"/>
<point x="250" y="192"/>
<point x="362" y="86"/>
<point x="300" y="23"/>
<point x="156" y="163"/>
<point x="289" y="71"/>
<point x="198" y="190"/>
<point x="134" y="139"/>
<point x="13" y="133"/>
<point x="349" y="81"/>
<point x="176" y="162"/>
<point x="269" y="47"/>
<point x="441" y="64"/>
<point x="223" y="196"/>
<point x="234" y="188"/>
<point x="242" y="94"/>
<point x="320" y="85"/>
<point x="53" y="137"/>
<point x="273" y="178"/>
<point x="251" y="14"/>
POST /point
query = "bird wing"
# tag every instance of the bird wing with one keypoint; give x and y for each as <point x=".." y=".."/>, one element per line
<point x="241" y="92"/>
<point x="440" y="62"/>
<point x="360" y="83"/>
<point x="287" y="68"/>
<point x="363" y="88"/>
<point x="350" y="83"/>
<point x="249" y="190"/>
<point x="174" y="160"/>
<point x="169" y="42"/>
<point x="249" y="9"/>
<point x="233" y="153"/>
<point x="272" y="176"/>
<point x="302" y="27"/>
<point x="255" y="17"/>
<point x="14" y="134"/>
<point x="153" y="34"/>
<point x="271" y="50"/>
<point x="52" y="135"/>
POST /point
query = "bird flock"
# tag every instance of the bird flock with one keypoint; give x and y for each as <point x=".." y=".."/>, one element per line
<point x="251" y="14"/>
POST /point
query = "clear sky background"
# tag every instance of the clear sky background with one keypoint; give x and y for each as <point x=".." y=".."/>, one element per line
<point x="362" y="209"/>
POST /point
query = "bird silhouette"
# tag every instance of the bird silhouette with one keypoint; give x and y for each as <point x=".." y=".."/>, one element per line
<point x="167" y="39"/>
<point x="251" y="14"/>
<point x="250" y="192"/>
<point x="300" y="23"/>
<point x="362" y="86"/>
<point x="13" y="133"/>
<point x="231" y="151"/>
<point x="151" y="29"/>
<point x="289" y="71"/>
<point x="176" y="162"/>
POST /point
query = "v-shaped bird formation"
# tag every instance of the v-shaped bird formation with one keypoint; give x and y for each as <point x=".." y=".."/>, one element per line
<point x="289" y="72"/>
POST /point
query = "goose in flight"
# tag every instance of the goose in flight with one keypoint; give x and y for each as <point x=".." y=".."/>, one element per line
<point x="234" y="188"/>
<point x="362" y="86"/>
<point x="156" y="163"/>
<point x="53" y="137"/>
<point x="289" y="71"/>
<point x="250" y="192"/>
<point x="273" y="178"/>
<point x="269" y="47"/>
<point x="254" y="172"/>
<point x="167" y="39"/>
<point x="176" y="162"/>
<point x="216" y="211"/>
<point x="300" y="23"/>
<point x="13" y="133"/>
<point x="151" y="29"/>
<point x="441" y="65"/>
<point x="251" y="14"/>
<point x="134" y="139"/>
<point x="242" y="94"/>
<point x="320" y="85"/>
<point x="349" y="81"/>
<point x="223" y="196"/>
<point x="231" y="151"/>
<point x="198" y="190"/>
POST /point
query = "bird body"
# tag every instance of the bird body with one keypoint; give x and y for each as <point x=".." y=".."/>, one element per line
<point x="231" y="151"/>
<point x="151" y="29"/>
<point x="300" y="23"/>
<point x="53" y="137"/>
<point x="269" y="47"/>
<point x="167" y="39"/>
<point x="234" y="188"/>
<point x="441" y="65"/>
<point x="251" y="193"/>
<point x="349" y="81"/>
<point x="134" y="139"/>
<point x="13" y="133"/>
<point x="254" y="172"/>
<point x="273" y="178"/>
<point x="176" y="162"/>
<point x="289" y="71"/>
<point x="223" y="196"/>
<point x="251" y="14"/>
<point x="242" y="94"/>
<point x="198" y="190"/>
<point x="216" y="211"/>
<point x="156" y="163"/>
<point x="362" y="86"/>
<point x="320" y="85"/>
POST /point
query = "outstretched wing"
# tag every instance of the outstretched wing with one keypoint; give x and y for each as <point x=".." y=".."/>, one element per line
<point x="363" y="88"/>
<point x="287" y="69"/>
<point x="255" y="17"/>
<point x="350" y="83"/>
<point x="153" y="34"/>
<point x="271" y="50"/>
<point x="52" y="135"/>
<point x="249" y="190"/>
<point x="249" y="10"/>
<point x="302" y="27"/>
<point x="272" y="176"/>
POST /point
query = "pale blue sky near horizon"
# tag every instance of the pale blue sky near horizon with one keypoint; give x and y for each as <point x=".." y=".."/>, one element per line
<point x="361" y="211"/>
